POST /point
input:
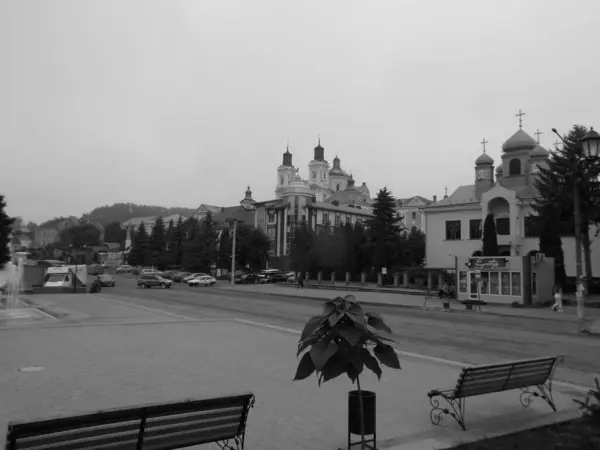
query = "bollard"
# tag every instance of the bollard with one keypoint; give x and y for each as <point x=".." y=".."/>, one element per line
<point x="396" y="280"/>
<point x="405" y="279"/>
<point x="429" y="282"/>
<point x="380" y="280"/>
<point x="333" y="277"/>
<point x="320" y="277"/>
<point x="347" y="278"/>
<point x="306" y="276"/>
<point x="363" y="278"/>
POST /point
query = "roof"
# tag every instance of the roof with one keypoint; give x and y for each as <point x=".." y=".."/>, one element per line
<point x="519" y="141"/>
<point x="234" y="212"/>
<point x="539" y="152"/>
<point x="484" y="159"/>
<point x="211" y="208"/>
<point x="413" y="201"/>
<point x="137" y="221"/>
<point x="351" y="195"/>
<point x="461" y="196"/>
<point x="341" y="208"/>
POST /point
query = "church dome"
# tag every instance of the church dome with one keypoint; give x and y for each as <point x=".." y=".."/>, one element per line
<point x="539" y="152"/>
<point x="519" y="141"/>
<point x="484" y="159"/>
<point x="337" y="169"/>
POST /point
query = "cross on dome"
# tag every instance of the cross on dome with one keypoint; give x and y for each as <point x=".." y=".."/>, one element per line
<point x="520" y="116"/>
<point x="483" y="143"/>
<point x="537" y="135"/>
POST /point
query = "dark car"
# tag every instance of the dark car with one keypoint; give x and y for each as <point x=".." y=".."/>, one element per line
<point x="247" y="278"/>
<point x="179" y="276"/>
<point x="106" y="280"/>
<point x="169" y="274"/>
<point x="274" y="278"/>
<point x="148" y="281"/>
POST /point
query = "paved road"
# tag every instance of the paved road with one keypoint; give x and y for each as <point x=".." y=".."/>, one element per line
<point x="469" y="338"/>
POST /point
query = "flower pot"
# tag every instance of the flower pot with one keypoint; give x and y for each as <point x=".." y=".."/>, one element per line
<point x="369" y="412"/>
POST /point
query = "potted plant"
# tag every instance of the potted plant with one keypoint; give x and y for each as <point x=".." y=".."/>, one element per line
<point x="343" y="339"/>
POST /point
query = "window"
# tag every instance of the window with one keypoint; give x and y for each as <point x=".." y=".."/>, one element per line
<point x="281" y="180"/>
<point x="505" y="285"/>
<point x="475" y="231"/>
<point x="271" y="218"/>
<point x="531" y="226"/>
<point x="462" y="281"/>
<point x="325" y="218"/>
<point x="534" y="284"/>
<point x="503" y="226"/>
<point x="516" y="284"/>
<point x="453" y="230"/>
<point x="414" y="215"/>
<point x="314" y="175"/>
<point x="337" y="187"/>
<point x="485" y="283"/>
<point x="514" y="167"/>
<point x="338" y="220"/>
<point x="347" y="220"/>
<point x="494" y="286"/>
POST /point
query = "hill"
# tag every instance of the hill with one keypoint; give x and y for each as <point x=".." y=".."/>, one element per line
<point x="120" y="212"/>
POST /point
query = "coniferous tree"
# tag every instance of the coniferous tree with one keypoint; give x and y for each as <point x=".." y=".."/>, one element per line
<point x="383" y="231"/>
<point x="6" y="224"/>
<point x="490" y="238"/>
<point x="415" y="243"/>
<point x="224" y="259"/>
<point x="158" y="237"/>
<point x="361" y="248"/>
<point x="301" y="248"/>
<point x="178" y="238"/>
<point x="548" y="224"/>
<point x="140" y="247"/>
<point x="252" y="247"/>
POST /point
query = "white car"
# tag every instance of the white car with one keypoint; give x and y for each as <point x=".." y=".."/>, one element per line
<point x="194" y="275"/>
<point x="151" y="272"/>
<point x="202" y="280"/>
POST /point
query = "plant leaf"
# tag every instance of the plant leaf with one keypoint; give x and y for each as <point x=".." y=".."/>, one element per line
<point x="303" y="345"/>
<point x="356" y="360"/>
<point x="352" y="373"/>
<point x="374" y="320"/>
<point x="351" y="334"/>
<point x="350" y="298"/>
<point x="387" y="356"/>
<point x="311" y="326"/>
<point x="321" y="352"/>
<point x="370" y="362"/>
<point x="329" y="307"/>
<point x="336" y="366"/>
<point x="357" y="315"/>
<point x="305" y="368"/>
<point x="334" y="318"/>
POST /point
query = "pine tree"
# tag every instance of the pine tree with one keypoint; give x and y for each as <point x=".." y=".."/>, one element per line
<point x="224" y="259"/>
<point x="6" y="224"/>
<point x="383" y="231"/>
<point x="301" y="248"/>
<point x="158" y="238"/>
<point x="178" y="237"/>
<point x="140" y="246"/>
<point x="252" y="247"/>
<point x="490" y="237"/>
<point x="550" y="242"/>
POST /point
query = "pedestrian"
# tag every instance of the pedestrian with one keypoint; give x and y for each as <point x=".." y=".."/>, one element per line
<point x="557" y="294"/>
<point x="580" y="295"/>
<point x="300" y="281"/>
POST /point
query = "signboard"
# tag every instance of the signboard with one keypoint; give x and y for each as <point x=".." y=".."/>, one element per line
<point x="487" y="263"/>
<point x="384" y="270"/>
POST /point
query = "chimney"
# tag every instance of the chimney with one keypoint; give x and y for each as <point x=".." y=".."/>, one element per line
<point x="434" y="198"/>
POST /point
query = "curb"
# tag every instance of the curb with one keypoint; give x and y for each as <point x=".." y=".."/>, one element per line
<point x="388" y="305"/>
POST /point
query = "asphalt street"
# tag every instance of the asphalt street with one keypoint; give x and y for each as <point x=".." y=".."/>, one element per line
<point x="468" y="338"/>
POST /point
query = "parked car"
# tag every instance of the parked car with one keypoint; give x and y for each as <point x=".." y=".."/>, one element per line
<point x="202" y="280"/>
<point x="273" y="278"/>
<point x="194" y="275"/>
<point x="247" y="278"/>
<point x="168" y="274"/>
<point x="148" y="281"/>
<point x="106" y="280"/>
<point x="150" y="271"/>
<point x="179" y="276"/>
<point x="96" y="269"/>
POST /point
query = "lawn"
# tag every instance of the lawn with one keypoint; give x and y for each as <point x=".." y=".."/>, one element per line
<point x="578" y="434"/>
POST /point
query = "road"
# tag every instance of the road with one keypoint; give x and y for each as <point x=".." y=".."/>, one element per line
<point x="469" y="338"/>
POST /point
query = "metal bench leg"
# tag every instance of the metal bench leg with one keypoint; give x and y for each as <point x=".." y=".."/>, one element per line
<point x="456" y="410"/>
<point x="544" y="391"/>
<point x="237" y="443"/>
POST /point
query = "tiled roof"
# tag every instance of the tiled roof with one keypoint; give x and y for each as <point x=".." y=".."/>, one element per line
<point x="234" y="212"/>
<point x="342" y="208"/>
<point x="406" y="201"/>
<point x="461" y="196"/>
<point x="211" y="208"/>
<point x="349" y="196"/>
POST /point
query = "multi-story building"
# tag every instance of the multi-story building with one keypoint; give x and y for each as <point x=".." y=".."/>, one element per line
<point x="328" y="198"/>
<point x="409" y="210"/>
<point x="48" y="232"/>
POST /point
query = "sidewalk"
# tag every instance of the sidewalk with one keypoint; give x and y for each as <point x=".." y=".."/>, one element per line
<point x="409" y="301"/>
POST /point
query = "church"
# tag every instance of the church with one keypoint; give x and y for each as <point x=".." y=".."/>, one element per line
<point x="454" y="223"/>
<point x="328" y="197"/>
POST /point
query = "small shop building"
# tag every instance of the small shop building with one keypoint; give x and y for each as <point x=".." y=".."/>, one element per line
<point x="525" y="280"/>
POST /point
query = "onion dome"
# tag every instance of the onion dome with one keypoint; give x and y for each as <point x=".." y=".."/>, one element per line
<point x="484" y="159"/>
<point x="350" y="183"/>
<point x="337" y="168"/>
<point x="519" y="141"/>
<point x="287" y="157"/>
<point x="539" y="152"/>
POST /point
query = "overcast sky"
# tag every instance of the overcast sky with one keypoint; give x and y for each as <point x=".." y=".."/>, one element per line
<point x="179" y="103"/>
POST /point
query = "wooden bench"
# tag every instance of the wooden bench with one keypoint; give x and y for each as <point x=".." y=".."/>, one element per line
<point x="157" y="427"/>
<point x="532" y="376"/>
<point x="473" y="303"/>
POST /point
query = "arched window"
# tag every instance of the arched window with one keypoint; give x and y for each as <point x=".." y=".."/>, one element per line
<point x="337" y="187"/>
<point x="281" y="180"/>
<point x="314" y="175"/>
<point x="514" y="167"/>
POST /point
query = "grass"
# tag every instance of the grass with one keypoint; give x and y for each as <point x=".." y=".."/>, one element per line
<point x="577" y="434"/>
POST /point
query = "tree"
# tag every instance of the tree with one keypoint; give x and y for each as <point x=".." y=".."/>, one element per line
<point x="301" y="248"/>
<point x="566" y="172"/>
<point x="490" y="238"/>
<point x="548" y="224"/>
<point x="6" y="224"/>
<point x="383" y="230"/>
<point x="224" y="254"/>
<point x="415" y="248"/>
<point x="113" y="232"/>
<point x="158" y="237"/>
<point x="200" y="248"/>
<point x="79" y="235"/>
<point x="252" y="247"/>
<point x="140" y="247"/>
<point x="177" y="244"/>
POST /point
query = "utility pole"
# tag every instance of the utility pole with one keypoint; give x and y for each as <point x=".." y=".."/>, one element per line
<point x="235" y="221"/>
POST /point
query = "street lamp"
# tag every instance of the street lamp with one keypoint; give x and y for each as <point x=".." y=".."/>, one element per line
<point x="590" y="144"/>
<point x="235" y="222"/>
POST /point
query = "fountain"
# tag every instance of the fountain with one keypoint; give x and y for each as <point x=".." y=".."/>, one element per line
<point x="13" y="274"/>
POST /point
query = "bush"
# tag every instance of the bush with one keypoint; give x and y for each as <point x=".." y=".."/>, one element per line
<point x="591" y="406"/>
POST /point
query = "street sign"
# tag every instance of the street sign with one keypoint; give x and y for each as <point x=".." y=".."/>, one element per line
<point x="384" y="270"/>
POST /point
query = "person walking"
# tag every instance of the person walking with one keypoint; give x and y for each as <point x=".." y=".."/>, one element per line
<point x="557" y="294"/>
<point x="580" y="295"/>
<point x="300" y="284"/>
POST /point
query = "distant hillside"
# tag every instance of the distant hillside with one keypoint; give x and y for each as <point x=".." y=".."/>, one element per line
<point x="120" y="212"/>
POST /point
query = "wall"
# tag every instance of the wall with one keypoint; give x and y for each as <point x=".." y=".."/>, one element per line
<point x="439" y="251"/>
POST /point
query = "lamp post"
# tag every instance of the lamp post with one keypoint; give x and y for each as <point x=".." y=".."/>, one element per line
<point x="590" y="144"/>
<point x="235" y="222"/>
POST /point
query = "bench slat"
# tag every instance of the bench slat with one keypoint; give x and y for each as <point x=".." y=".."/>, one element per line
<point x="80" y="433"/>
<point x="176" y="441"/>
<point x="515" y="363"/>
<point x="483" y="378"/>
<point x="509" y="367"/>
<point x="89" y="442"/>
<point x="196" y="416"/>
<point x="193" y="426"/>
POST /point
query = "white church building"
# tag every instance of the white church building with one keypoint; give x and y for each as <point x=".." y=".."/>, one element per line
<point x="454" y="223"/>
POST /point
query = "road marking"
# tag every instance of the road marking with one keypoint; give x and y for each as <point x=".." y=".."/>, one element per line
<point x="145" y="308"/>
<point x="564" y="384"/>
<point x="37" y="309"/>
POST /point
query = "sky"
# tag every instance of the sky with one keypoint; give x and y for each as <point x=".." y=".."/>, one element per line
<point x="179" y="103"/>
